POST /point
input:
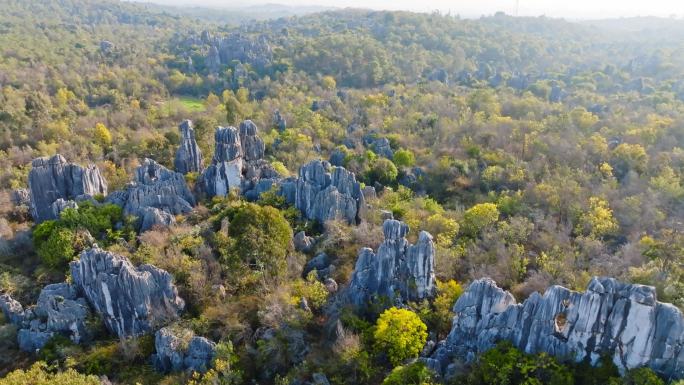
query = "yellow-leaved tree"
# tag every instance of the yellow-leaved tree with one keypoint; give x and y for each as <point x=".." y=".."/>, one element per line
<point x="400" y="333"/>
<point x="102" y="135"/>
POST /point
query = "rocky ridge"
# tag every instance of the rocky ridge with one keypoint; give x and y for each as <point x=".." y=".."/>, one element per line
<point x="178" y="350"/>
<point x="623" y="321"/>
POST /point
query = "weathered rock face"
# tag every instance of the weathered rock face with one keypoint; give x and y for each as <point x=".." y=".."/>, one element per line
<point x="181" y="350"/>
<point x="54" y="178"/>
<point x="11" y="308"/>
<point x="188" y="156"/>
<point x="156" y="195"/>
<point x="225" y="171"/>
<point x="621" y="320"/>
<point x="21" y="197"/>
<point x="238" y="163"/>
<point x="59" y="310"/>
<point x="131" y="300"/>
<point x="252" y="145"/>
<point x="302" y="242"/>
<point x="398" y="271"/>
<point x="322" y="195"/>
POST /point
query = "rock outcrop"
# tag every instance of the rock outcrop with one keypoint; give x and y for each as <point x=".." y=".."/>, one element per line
<point x="379" y="145"/>
<point x="325" y="193"/>
<point x="178" y="350"/>
<point x="620" y="320"/>
<point x="279" y="121"/>
<point x="59" y="310"/>
<point x="156" y="195"/>
<point x="398" y="271"/>
<point x="188" y="156"/>
<point x="238" y="163"/>
<point x="54" y="178"/>
<point x="131" y="300"/>
<point x="21" y="197"/>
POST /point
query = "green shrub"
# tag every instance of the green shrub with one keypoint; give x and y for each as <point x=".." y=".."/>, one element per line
<point x="642" y="376"/>
<point x="412" y="374"/>
<point x="39" y="374"/>
<point x="383" y="171"/>
<point x="506" y="365"/>
<point x="57" y="250"/>
<point x="404" y="158"/>
<point x="260" y="239"/>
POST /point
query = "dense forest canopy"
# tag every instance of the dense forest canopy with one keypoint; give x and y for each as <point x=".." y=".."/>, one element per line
<point x="535" y="151"/>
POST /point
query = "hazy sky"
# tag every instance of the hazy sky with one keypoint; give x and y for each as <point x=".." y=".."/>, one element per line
<point x="470" y="8"/>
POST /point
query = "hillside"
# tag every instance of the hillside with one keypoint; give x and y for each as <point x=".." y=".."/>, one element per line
<point x="339" y="197"/>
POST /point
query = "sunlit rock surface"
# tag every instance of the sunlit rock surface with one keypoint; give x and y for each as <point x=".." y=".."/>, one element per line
<point x="620" y="320"/>
<point x="398" y="271"/>
<point x="51" y="179"/>
<point x="131" y="300"/>
<point x="188" y="156"/>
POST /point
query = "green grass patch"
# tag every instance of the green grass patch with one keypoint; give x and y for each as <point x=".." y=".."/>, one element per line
<point x="192" y="104"/>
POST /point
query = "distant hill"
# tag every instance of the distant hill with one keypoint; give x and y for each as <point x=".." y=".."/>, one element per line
<point x="236" y="14"/>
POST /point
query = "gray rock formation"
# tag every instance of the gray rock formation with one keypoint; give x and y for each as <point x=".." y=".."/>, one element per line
<point x="322" y="195"/>
<point x="246" y="49"/>
<point x="252" y="145"/>
<point x="11" y="309"/>
<point x="337" y="157"/>
<point x="398" y="271"/>
<point x="379" y="145"/>
<point x="21" y="197"/>
<point x="60" y="205"/>
<point x="188" y="156"/>
<point x="131" y="300"/>
<point x="155" y="196"/>
<point x="59" y="310"/>
<point x="238" y="164"/>
<point x="225" y="171"/>
<point x="106" y="46"/>
<point x="302" y="242"/>
<point x="213" y="61"/>
<point x="178" y="350"/>
<point x="54" y="178"/>
<point x="319" y="262"/>
<point x="611" y="318"/>
<point x="279" y="121"/>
